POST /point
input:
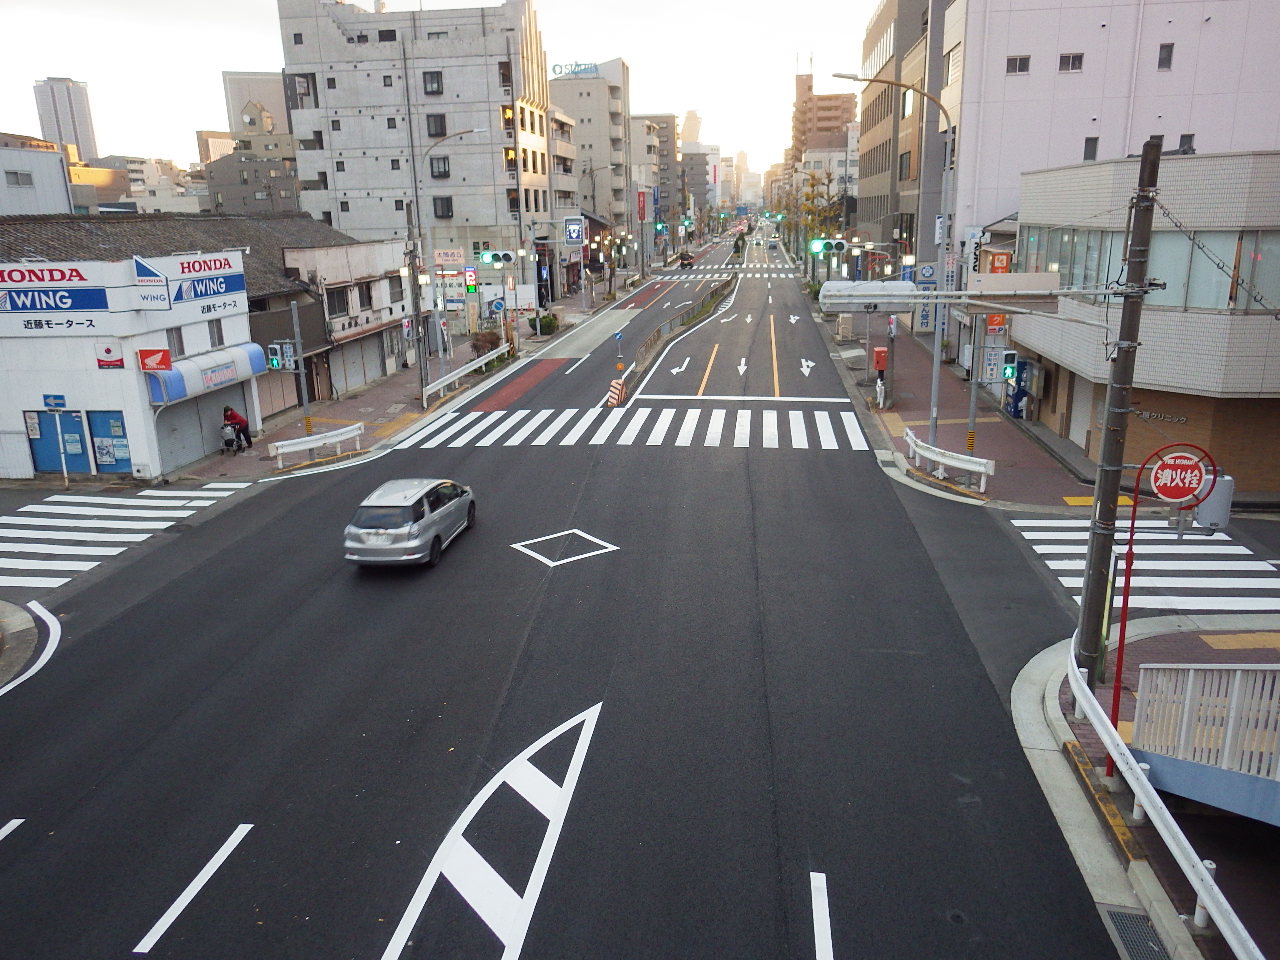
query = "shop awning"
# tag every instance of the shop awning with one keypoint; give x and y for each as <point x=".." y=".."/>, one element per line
<point x="205" y="373"/>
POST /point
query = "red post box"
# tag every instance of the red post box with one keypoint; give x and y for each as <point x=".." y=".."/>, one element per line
<point x="880" y="358"/>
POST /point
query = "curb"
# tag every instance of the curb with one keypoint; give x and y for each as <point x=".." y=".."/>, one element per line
<point x="18" y="638"/>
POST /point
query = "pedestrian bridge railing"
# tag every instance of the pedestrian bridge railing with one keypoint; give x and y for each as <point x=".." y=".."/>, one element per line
<point x="958" y="461"/>
<point x="314" y="442"/>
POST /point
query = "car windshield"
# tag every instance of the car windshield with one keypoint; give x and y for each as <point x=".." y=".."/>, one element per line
<point x="381" y="518"/>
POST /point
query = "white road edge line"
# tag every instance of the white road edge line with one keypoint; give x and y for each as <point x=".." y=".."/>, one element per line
<point x="170" y="915"/>
<point x="55" y="634"/>
<point x="575" y="366"/>
<point x="821" y="917"/>
<point x="11" y="826"/>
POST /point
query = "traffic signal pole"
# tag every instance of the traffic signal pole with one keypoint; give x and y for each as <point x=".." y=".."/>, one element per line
<point x="303" y="393"/>
<point x="1090" y="643"/>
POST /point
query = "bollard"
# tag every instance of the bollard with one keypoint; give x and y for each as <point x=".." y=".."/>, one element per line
<point x="1201" y="919"/>
<point x="1079" y="707"/>
<point x="1139" y="815"/>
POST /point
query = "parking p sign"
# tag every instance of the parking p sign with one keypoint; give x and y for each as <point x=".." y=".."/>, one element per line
<point x="574" y="231"/>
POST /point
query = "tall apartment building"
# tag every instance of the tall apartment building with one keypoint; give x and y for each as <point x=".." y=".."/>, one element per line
<point x="437" y="115"/>
<point x="818" y="120"/>
<point x="644" y="141"/>
<point x="671" y="203"/>
<point x="267" y="89"/>
<point x="63" y="107"/>
<point x="598" y="97"/>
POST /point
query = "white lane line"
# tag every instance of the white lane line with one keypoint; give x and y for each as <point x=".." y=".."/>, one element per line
<point x="519" y="436"/>
<point x="226" y="485"/>
<point x="33" y="582"/>
<point x="1189" y="583"/>
<point x="579" y="428"/>
<point x="15" y="563"/>
<point x="545" y="436"/>
<point x="201" y="503"/>
<point x="185" y="493"/>
<point x="458" y="425"/>
<point x="821" y="917"/>
<point x="742" y="432"/>
<point x="729" y="398"/>
<point x="11" y="826"/>
<point x="659" y="432"/>
<point x="826" y="435"/>
<point x="688" y="427"/>
<point x="799" y="434"/>
<point x="419" y="435"/>
<point x="101" y="512"/>
<point x="715" y="427"/>
<point x="105" y="524"/>
<point x="856" y="439"/>
<point x="633" y="428"/>
<point x="55" y="635"/>
<point x="575" y="366"/>
<point x="612" y="420"/>
<point x="502" y="428"/>
<point x="479" y="427"/>
<point x="769" y="424"/>
<point x="189" y="894"/>
<point x="61" y="535"/>
<point x="9" y="546"/>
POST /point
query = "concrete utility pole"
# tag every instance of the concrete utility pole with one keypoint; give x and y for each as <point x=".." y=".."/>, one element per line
<point x="1091" y="645"/>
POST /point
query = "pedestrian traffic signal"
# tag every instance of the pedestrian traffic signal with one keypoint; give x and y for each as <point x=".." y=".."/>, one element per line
<point x="1009" y="365"/>
<point x="273" y="356"/>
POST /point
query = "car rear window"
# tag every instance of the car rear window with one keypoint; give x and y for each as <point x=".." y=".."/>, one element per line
<point x="381" y="518"/>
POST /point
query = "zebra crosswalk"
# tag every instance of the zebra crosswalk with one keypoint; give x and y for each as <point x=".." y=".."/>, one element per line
<point x="729" y="271"/>
<point x="1206" y="573"/>
<point x="43" y="545"/>
<point x="645" y="426"/>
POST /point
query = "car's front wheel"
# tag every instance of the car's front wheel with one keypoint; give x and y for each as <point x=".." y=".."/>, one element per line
<point x="434" y="556"/>
<point x="471" y="515"/>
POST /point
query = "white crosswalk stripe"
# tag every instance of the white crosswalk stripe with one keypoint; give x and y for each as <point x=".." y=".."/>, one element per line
<point x="42" y="545"/>
<point x="1195" y="573"/>
<point x="651" y="427"/>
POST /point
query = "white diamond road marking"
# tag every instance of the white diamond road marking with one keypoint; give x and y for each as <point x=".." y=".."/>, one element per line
<point x="1198" y="572"/>
<point x="69" y="533"/>
<point x="506" y="912"/>
<point x="524" y="547"/>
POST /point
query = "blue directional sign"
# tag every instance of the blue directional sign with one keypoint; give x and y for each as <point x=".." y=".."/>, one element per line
<point x="574" y="231"/>
<point x="55" y="401"/>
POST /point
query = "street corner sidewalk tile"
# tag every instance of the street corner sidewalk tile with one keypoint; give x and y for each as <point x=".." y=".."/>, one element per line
<point x="568" y="540"/>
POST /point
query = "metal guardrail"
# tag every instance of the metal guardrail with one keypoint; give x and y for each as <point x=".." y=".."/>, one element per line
<point x="453" y="376"/>
<point x="959" y="461"/>
<point x="1197" y="874"/>
<point x="279" y="448"/>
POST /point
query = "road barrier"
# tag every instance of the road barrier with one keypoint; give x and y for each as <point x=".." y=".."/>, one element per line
<point x="279" y="448"/>
<point x="453" y="376"/>
<point x="959" y="461"/>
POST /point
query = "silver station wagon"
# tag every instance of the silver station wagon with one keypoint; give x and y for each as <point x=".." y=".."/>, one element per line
<point x="409" y="521"/>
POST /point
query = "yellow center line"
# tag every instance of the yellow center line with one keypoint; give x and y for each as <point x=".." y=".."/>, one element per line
<point x="703" y="385"/>
<point x="773" y="342"/>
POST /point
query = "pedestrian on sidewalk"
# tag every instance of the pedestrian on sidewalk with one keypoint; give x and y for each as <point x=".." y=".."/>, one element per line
<point x="239" y="424"/>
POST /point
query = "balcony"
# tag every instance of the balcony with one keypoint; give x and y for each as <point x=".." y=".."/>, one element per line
<point x="615" y="106"/>
<point x="617" y="157"/>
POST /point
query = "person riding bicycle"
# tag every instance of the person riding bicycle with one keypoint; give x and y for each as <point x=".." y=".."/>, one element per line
<point x="239" y="424"/>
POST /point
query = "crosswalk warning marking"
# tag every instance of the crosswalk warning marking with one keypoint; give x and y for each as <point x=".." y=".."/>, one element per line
<point x="826" y="435"/>
<point x="715" y="427"/>
<point x="580" y="427"/>
<point x="440" y="436"/>
<point x="519" y="436"/>
<point x="660" y="427"/>
<point x="612" y="420"/>
<point x="477" y="428"/>
<point x="633" y="428"/>
<point x="429" y="429"/>
<point x="769" y="428"/>
<point x="856" y="437"/>
<point x="545" y="436"/>
<point x="742" y="432"/>
<point x="687" y="429"/>
<point x="799" y="435"/>
<point x="492" y="436"/>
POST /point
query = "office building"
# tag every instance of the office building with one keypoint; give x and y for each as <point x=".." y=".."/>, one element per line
<point x="63" y="107"/>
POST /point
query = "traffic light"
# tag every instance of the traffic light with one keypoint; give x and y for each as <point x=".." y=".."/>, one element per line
<point x="839" y="246"/>
<point x="659" y="227"/>
<point x="816" y="246"/>
<point x="1009" y="365"/>
<point x="273" y="356"/>
<point x="499" y="258"/>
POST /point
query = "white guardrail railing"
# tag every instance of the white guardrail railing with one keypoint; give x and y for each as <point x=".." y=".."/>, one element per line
<point x="453" y="376"/>
<point x="959" y="461"/>
<point x="1197" y="874"/>
<point x="314" y="441"/>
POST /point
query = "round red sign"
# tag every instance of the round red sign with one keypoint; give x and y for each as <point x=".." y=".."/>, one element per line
<point x="1177" y="476"/>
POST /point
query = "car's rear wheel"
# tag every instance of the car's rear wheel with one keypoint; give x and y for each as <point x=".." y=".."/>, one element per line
<point x="434" y="556"/>
<point x="471" y="515"/>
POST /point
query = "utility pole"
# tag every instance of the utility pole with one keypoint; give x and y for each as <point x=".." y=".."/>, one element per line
<point x="1091" y="645"/>
<point x="415" y="299"/>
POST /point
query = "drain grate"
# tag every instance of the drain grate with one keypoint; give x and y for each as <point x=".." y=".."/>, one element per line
<point x="1135" y="934"/>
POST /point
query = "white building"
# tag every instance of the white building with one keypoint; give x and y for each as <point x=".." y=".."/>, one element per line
<point x="35" y="181"/>
<point x="645" y="182"/>
<point x="63" y="107"/>
<point x="439" y="116"/>
<point x="598" y="97"/>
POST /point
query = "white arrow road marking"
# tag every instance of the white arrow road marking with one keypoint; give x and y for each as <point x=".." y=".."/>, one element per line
<point x="748" y="318"/>
<point x="685" y="304"/>
<point x="506" y="912"/>
<point x="742" y="366"/>
<point x="793" y="318"/>
<point x="681" y="368"/>
<point x="667" y="304"/>
<point x="771" y="298"/>
<point x="806" y="366"/>
<point x="728" y="318"/>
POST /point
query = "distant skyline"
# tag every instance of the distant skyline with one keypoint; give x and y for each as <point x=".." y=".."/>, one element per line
<point x="154" y="70"/>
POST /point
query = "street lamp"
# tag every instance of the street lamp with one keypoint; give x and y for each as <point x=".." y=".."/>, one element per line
<point x="945" y="253"/>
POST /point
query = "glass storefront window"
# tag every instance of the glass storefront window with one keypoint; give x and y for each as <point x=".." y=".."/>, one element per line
<point x="1170" y="259"/>
<point x="1210" y="286"/>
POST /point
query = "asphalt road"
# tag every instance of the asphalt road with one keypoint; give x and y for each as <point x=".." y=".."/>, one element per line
<point x="759" y="686"/>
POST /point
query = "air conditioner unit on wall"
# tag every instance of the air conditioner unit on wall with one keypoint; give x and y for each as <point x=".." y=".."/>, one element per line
<point x="507" y="91"/>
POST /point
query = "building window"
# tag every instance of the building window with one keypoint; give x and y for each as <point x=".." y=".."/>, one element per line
<point x="524" y="159"/>
<point x="395" y="286"/>
<point x="522" y="119"/>
<point x="215" y="333"/>
<point x="386" y="36"/>
<point x="439" y="167"/>
<point x="437" y="34"/>
<point x="327" y="216"/>
<point x="504" y="73"/>
<point x="344" y="207"/>
<point x="908" y="102"/>
<point x="432" y="81"/>
<point x="1016" y="65"/>
<point x="386" y="81"/>
<point x="513" y="200"/>
<point x="1165" y="59"/>
<point x="399" y="204"/>
<point x="951" y="65"/>
<point x="297" y="39"/>
<point x="18" y="178"/>
<point x="904" y="166"/>
<point x="435" y="125"/>
<point x="391" y="123"/>
<point x="340" y="166"/>
<point x="364" y="293"/>
<point x="331" y="83"/>
<point x="1187" y="143"/>
<point x="176" y="346"/>
<point x="442" y="207"/>
<point x="286" y="193"/>
<point x="1070" y="62"/>
<point x="335" y="124"/>
<point x="336" y="300"/>
<point x="511" y="159"/>
<point x="1091" y="148"/>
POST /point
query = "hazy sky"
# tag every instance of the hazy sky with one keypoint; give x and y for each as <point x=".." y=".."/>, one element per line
<point x="154" y="68"/>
